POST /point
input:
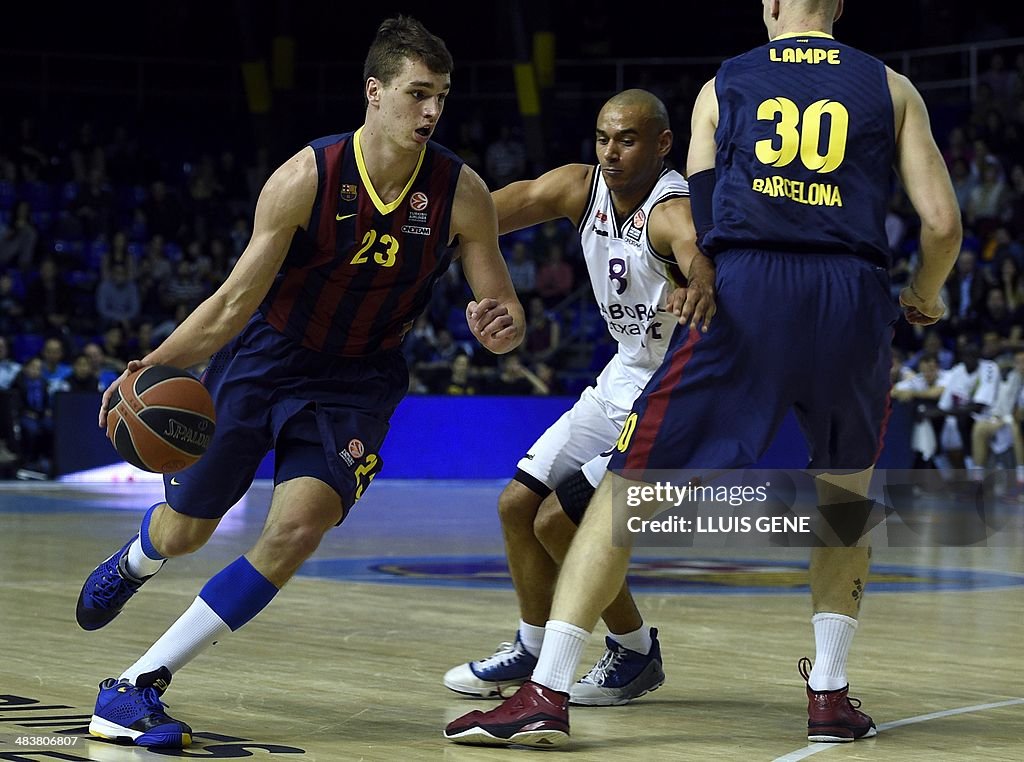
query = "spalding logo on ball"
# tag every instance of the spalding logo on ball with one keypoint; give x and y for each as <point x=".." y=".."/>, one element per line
<point x="160" y="419"/>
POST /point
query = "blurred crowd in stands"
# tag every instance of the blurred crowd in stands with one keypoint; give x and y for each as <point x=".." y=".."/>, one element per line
<point x="107" y="242"/>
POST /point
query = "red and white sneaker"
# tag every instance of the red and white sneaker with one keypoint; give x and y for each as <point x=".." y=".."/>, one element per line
<point x="535" y="715"/>
<point x="832" y="716"/>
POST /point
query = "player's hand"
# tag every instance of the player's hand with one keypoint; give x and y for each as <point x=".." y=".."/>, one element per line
<point x="492" y="325"/>
<point x="694" y="304"/>
<point x="133" y="366"/>
<point x="919" y="311"/>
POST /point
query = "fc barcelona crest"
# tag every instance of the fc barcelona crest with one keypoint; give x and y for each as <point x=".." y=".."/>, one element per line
<point x="348" y="191"/>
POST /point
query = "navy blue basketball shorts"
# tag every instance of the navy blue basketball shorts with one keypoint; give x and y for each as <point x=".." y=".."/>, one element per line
<point x="325" y="417"/>
<point x="811" y="332"/>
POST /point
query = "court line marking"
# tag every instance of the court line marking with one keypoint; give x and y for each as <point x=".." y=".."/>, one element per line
<point x="814" y="748"/>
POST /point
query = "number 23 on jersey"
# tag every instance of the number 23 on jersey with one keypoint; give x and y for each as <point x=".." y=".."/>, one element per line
<point x="384" y="251"/>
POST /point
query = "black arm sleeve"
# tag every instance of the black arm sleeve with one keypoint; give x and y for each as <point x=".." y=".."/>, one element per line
<point x="702" y="188"/>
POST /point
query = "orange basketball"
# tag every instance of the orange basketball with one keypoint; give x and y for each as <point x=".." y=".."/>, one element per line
<point x="160" y="419"/>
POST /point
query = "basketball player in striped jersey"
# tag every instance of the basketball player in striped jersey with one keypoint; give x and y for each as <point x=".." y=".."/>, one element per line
<point x="350" y="236"/>
<point x="790" y="162"/>
<point x="633" y="218"/>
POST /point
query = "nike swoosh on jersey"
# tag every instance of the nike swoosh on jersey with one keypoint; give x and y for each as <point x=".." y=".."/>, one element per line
<point x="340" y="217"/>
<point x="175" y="482"/>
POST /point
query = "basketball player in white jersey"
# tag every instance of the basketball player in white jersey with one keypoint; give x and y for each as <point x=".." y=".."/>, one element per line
<point x="633" y="217"/>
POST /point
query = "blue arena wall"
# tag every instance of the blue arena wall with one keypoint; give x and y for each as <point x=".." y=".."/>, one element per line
<point x="447" y="437"/>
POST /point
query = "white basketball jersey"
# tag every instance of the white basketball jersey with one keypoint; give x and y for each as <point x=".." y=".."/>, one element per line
<point x="631" y="282"/>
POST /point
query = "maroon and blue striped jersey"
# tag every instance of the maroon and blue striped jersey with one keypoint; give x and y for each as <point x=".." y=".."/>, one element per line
<point x="355" y="280"/>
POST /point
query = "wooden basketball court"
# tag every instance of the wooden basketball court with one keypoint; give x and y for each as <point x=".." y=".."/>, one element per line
<point x="346" y="664"/>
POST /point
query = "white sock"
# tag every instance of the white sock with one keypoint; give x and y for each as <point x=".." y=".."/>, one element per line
<point x="563" y="647"/>
<point x="139" y="564"/>
<point x="195" y="631"/>
<point x="532" y="637"/>
<point x="1020" y="473"/>
<point x="833" y="635"/>
<point x="638" y="640"/>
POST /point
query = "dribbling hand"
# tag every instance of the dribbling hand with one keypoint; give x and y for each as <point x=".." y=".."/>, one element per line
<point x="133" y="366"/>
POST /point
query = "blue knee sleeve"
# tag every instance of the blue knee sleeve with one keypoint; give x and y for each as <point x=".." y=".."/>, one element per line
<point x="238" y="592"/>
<point x="147" y="544"/>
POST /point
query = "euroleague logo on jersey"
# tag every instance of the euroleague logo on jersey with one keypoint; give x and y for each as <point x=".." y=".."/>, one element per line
<point x="418" y="201"/>
<point x="636" y="226"/>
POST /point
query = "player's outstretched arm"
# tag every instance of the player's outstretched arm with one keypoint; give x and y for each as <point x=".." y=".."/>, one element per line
<point x="926" y="180"/>
<point x="558" y="193"/>
<point x="284" y="205"/>
<point x="671" y="231"/>
<point x="495" y="316"/>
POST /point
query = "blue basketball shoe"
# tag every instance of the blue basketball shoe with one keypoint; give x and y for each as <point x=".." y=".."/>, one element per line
<point x="107" y="590"/>
<point x="497" y="676"/>
<point x="135" y="713"/>
<point x="620" y="676"/>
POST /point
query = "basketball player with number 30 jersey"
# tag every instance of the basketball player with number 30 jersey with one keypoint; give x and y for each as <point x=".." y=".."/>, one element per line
<point x="790" y="158"/>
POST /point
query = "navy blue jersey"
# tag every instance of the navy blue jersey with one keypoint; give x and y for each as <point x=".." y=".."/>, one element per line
<point x="356" y="279"/>
<point x="805" y="150"/>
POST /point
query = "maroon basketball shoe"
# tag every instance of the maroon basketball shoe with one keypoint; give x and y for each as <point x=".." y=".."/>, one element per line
<point x="833" y="717"/>
<point x="532" y="716"/>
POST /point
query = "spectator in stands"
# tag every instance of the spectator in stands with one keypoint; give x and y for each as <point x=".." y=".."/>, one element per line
<point x="117" y="299"/>
<point x="83" y="378"/>
<point x="48" y="301"/>
<point x="957" y="147"/>
<point x="35" y="416"/>
<point x="420" y="343"/>
<point x="989" y="202"/>
<point x="515" y="379"/>
<point x="997" y="318"/>
<point x="184" y="288"/>
<point x="966" y="288"/>
<point x="932" y="346"/>
<point x="969" y="390"/>
<point x="12" y="307"/>
<point x="963" y="183"/>
<point x="554" y="277"/>
<point x="523" y="270"/>
<point x="1011" y="282"/>
<point x="104" y="367"/>
<point x="54" y="370"/>
<point x="9" y="370"/>
<point x="118" y="254"/>
<point x="18" y="239"/>
<point x="154" y="272"/>
<point x="543" y="333"/>
<point x="94" y="206"/>
<point x="999" y="427"/>
<point x="922" y="391"/>
<point x="460" y="377"/>
<point x="114" y="344"/>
